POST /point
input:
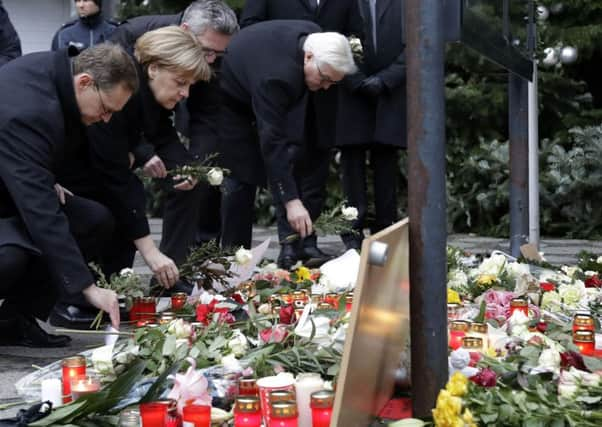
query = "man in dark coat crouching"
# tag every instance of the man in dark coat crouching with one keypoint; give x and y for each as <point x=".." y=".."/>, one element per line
<point x="266" y="73"/>
<point x="46" y="233"/>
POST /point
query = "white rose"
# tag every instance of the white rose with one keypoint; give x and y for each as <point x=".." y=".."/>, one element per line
<point x="179" y="328"/>
<point x="590" y="273"/>
<point x="457" y="279"/>
<point x="599" y="260"/>
<point x="126" y="272"/>
<point x="566" y="391"/>
<point x="549" y="360"/>
<point x="215" y="176"/>
<point x="349" y="213"/>
<point x="238" y="344"/>
<point x="243" y="256"/>
<point x="264" y="309"/>
<point x="492" y="265"/>
<point x="570" y="271"/>
<point x="517" y="269"/>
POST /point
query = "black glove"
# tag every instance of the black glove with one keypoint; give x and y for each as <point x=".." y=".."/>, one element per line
<point x="372" y="86"/>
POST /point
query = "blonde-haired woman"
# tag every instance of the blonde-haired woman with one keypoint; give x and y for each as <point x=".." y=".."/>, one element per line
<point x="170" y="60"/>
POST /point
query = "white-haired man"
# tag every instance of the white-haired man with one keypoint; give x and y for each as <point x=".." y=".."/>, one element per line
<point x="266" y="73"/>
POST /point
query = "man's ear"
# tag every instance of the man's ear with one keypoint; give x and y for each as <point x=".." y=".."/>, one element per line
<point x="83" y="80"/>
<point x="308" y="56"/>
<point x="185" y="26"/>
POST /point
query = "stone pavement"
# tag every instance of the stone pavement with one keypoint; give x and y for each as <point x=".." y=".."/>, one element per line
<point x="16" y="362"/>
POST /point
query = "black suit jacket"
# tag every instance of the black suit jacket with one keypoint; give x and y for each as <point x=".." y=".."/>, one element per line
<point x="362" y="119"/>
<point x="262" y="72"/>
<point x="129" y="30"/>
<point x="331" y="15"/>
<point x="37" y="107"/>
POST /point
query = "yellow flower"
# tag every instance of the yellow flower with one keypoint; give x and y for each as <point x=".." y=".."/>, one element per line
<point x="457" y="385"/>
<point x="486" y="280"/>
<point x="453" y="297"/>
<point x="303" y="274"/>
<point x="468" y="418"/>
<point x="447" y="411"/>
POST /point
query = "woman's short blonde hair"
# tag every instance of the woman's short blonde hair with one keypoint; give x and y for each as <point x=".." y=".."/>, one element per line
<point x="174" y="49"/>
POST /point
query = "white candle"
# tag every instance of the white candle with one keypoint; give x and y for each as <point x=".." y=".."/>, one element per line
<point x="305" y="385"/>
<point x="52" y="390"/>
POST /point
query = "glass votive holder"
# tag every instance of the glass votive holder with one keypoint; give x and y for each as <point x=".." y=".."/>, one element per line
<point x="472" y="344"/>
<point x="178" y="300"/>
<point x="248" y="387"/>
<point x="585" y="342"/>
<point x="71" y="367"/>
<point x="321" y="408"/>
<point x="166" y="317"/>
<point x="519" y="304"/>
<point x="129" y="418"/>
<point x="153" y="414"/>
<point x="583" y="322"/>
<point x="457" y="331"/>
<point x="283" y="414"/>
<point x="143" y="308"/>
<point x="282" y="396"/>
<point x="247" y="412"/>
<point x="84" y="384"/>
<point x="196" y="416"/>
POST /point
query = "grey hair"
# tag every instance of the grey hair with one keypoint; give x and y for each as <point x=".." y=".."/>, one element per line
<point x="332" y="49"/>
<point x="216" y="15"/>
<point x="109" y="65"/>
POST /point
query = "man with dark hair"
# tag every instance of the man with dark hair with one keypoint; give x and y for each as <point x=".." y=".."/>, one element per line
<point x="89" y="29"/>
<point x="10" y="45"/>
<point x="317" y="137"/>
<point x="190" y="217"/>
<point x="47" y="99"/>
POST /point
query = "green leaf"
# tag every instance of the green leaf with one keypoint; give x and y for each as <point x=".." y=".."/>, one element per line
<point x="156" y="389"/>
<point x="169" y="346"/>
<point x="592" y="363"/>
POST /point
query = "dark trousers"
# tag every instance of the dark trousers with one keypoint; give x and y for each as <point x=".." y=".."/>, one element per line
<point x="238" y="201"/>
<point x="190" y="217"/>
<point x="383" y="162"/>
<point x="310" y="172"/>
<point x="27" y="285"/>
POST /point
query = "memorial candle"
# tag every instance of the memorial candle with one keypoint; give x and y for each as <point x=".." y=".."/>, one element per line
<point x="283" y="414"/>
<point x="248" y="387"/>
<point x="457" y="331"/>
<point x="178" y="300"/>
<point x="519" y="304"/>
<point x="196" y="416"/>
<point x="72" y="367"/>
<point x="585" y="342"/>
<point x="305" y="385"/>
<point x="247" y="412"/>
<point x="583" y="322"/>
<point x="321" y="408"/>
<point x="83" y="384"/>
<point x="153" y="414"/>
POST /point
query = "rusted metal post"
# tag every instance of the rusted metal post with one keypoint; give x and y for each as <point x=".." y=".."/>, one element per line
<point x="426" y="199"/>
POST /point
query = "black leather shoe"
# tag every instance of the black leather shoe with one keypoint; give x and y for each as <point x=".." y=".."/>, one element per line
<point x="314" y="257"/>
<point x="71" y="316"/>
<point x="288" y="256"/>
<point x="28" y="333"/>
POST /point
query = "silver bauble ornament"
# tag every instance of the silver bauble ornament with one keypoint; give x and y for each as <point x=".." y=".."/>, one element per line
<point x="542" y="13"/>
<point x="568" y="55"/>
<point x="556" y="8"/>
<point x="550" y="57"/>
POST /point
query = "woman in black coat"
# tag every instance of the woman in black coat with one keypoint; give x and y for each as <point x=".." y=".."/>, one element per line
<point x="371" y="116"/>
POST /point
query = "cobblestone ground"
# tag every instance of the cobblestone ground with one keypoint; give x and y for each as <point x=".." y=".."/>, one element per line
<point x="16" y="362"/>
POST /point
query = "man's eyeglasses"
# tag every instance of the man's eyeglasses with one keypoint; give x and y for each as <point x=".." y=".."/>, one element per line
<point x="105" y="110"/>
<point x="324" y="78"/>
<point x="212" y="52"/>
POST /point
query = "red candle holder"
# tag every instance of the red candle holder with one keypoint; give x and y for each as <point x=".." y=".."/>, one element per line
<point x="143" y="308"/>
<point x="519" y="304"/>
<point x="247" y="412"/>
<point x="283" y="414"/>
<point x="153" y="414"/>
<point x="281" y="396"/>
<point x="321" y="408"/>
<point x="585" y="342"/>
<point x="583" y="322"/>
<point x="332" y="299"/>
<point x="457" y="331"/>
<point x="197" y="415"/>
<point x="248" y="387"/>
<point x="178" y="300"/>
<point x="72" y="367"/>
<point x="348" y="302"/>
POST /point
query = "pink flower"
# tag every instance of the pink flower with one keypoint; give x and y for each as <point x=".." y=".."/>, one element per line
<point x="485" y="378"/>
<point x="275" y="334"/>
<point x="190" y="388"/>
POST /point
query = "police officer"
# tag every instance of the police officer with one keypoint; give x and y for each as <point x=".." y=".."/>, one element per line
<point x="87" y="30"/>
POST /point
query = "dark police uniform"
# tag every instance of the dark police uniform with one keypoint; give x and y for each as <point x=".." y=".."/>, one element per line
<point x="83" y="32"/>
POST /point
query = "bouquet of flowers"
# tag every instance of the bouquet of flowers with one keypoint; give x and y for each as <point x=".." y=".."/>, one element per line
<point x="204" y="171"/>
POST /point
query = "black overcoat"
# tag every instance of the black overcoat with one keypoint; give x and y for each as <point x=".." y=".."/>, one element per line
<point x="362" y="119"/>
<point x="263" y="73"/>
<point x="10" y="44"/>
<point x="37" y="110"/>
<point x="330" y="15"/>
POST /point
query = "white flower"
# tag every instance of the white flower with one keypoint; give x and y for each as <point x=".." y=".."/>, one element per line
<point x="179" y="328"/>
<point x="215" y="176"/>
<point x="231" y="363"/>
<point x="457" y="279"/>
<point x="570" y="271"/>
<point x="238" y="343"/>
<point x="572" y="295"/>
<point x="349" y="213"/>
<point x="243" y="256"/>
<point x="492" y="265"/>
<point x="517" y="269"/>
<point x="549" y="360"/>
<point x="264" y="309"/>
<point x="126" y="272"/>
<point x="599" y="260"/>
<point x="102" y="359"/>
<point x="590" y="273"/>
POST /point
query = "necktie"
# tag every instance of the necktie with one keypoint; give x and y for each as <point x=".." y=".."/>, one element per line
<point x="373" y="19"/>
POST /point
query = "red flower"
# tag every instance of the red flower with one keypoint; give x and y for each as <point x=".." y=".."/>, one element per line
<point x="542" y="326"/>
<point x="275" y="334"/>
<point x="287" y="314"/>
<point x="485" y="378"/>
<point x="205" y="312"/>
<point x="572" y="358"/>
<point x="593" y="282"/>
<point x="238" y="298"/>
<point x="547" y="286"/>
<point x="474" y="358"/>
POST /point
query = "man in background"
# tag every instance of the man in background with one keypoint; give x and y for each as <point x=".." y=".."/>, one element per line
<point x="10" y="45"/>
<point x="89" y="29"/>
